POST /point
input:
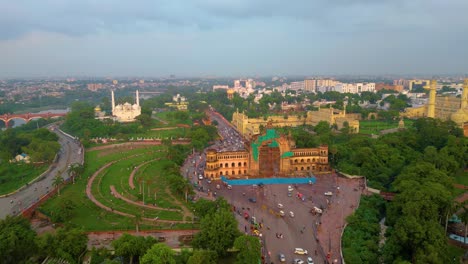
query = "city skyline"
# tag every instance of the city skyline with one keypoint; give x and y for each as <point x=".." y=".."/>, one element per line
<point x="232" y="38"/>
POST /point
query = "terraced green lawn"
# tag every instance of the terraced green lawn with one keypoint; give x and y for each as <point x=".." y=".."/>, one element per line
<point x="90" y="217"/>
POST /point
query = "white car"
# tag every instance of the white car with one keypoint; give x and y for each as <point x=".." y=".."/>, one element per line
<point x="300" y="251"/>
<point x="280" y="206"/>
<point x="291" y="213"/>
<point x="298" y="261"/>
<point x="328" y="193"/>
<point x="290" y="188"/>
<point x="281" y="257"/>
<point x="310" y="260"/>
<point x="200" y="177"/>
<point x="281" y="213"/>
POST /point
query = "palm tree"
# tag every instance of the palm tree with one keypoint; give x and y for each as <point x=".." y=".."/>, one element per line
<point x="58" y="181"/>
<point x="75" y="170"/>
<point x="137" y="220"/>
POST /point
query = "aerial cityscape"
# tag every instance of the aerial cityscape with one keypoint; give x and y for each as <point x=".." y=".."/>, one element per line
<point x="237" y="132"/>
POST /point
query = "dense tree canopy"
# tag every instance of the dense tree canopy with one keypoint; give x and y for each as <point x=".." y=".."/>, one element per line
<point x="218" y="232"/>
<point x="159" y="253"/>
<point x="17" y="240"/>
<point x="249" y="249"/>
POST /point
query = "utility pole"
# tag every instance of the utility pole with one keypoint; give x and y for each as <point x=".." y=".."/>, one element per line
<point x="143" y="191"/>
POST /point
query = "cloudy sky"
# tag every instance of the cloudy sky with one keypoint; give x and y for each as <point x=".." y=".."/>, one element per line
<point x="232" y="37"/>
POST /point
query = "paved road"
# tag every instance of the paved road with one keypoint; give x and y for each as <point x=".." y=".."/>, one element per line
<point x="317" y="234"/>
<point x="70" y="152"/>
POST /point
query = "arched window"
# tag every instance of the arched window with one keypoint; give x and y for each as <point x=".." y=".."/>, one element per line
<point x="308" y="160"/>
<point x="302" y="160"/>
<point x="245" y="163"/>
<point x="233" y="164"/>
<point x="233" y="173"/>
<point x="239" y="164"/>
<point x="240" y="172"/>
<point x="302" y="168"/>
<point x="221" y="173"/>
<point x="221" y="165"/>
<point x="226" y="165"/>
<point x="308" y="168"/>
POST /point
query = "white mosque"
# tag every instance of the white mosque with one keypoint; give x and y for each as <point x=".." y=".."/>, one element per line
<point x="126" y="112"/>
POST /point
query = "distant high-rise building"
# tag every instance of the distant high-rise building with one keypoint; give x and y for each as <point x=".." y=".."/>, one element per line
<point x="297" y="86"/>
<point x="310" y="85"/>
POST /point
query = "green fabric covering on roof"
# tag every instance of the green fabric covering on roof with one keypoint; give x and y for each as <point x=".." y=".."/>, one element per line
<point x="287" y="154"/>
<point x="270" y="135"/>
<point x="273" y="144"/>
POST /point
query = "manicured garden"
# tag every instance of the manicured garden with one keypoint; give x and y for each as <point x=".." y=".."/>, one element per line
<point x="89" y="216"/>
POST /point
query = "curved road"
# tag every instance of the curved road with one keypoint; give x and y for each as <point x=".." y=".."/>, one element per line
<point x="70" y="152"/>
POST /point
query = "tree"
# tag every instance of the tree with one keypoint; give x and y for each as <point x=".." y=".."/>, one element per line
<point x="249" y="249"/>
<point x="75" y="170"/>
<point x="203" y="257"/>
<point x="57" y="181"/>
<point x="17" y="243"/>
<point x="417" y="212"/>
<point x="130" y="247"/>
<point x="137" y="220"/>
<point x="218" y="232"/>
<point x="159" y="253"/>
<point x="66" y="243"/>
<point x="65" y="210"/>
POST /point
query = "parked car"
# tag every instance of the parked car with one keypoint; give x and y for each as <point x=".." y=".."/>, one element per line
<point x="328" y="193"/>
<point x="281" y="213"/>
<point x="229" y="187"/>
<point x="291" y="213"/>
<point x="289" y="194"/>
<point x="280" y="206"/>
<point x="300" y="251"/>
<point x="316" y="210"/>
<point x="281" y="257"/>
<point x="298" y="261"/>
<point x="290" y="188"/>
<point x="310" y="260"/>
<point x="253" y="200"/>
<point x="200" y="177"/>
<point x="218" y="186"/>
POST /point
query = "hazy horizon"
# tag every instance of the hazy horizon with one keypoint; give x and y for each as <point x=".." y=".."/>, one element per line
<point x="232" y="38"/>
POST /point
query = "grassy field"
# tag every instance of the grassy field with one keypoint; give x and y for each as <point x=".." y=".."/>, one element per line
<point x="170" y="121"/>
<point x="15" y="175"/>
<point x="375" y="126"/>
<point x="90" y="217"/>
<point x="455" y="253"/>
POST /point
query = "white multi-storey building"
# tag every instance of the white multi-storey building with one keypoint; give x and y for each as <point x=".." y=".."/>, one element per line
<point x="297" y="86"/>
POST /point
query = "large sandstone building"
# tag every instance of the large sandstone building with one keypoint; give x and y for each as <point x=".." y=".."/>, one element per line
<point x="443" y="107"/>
<point x="250" y="127"/>
<point x="268" y="155"/>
